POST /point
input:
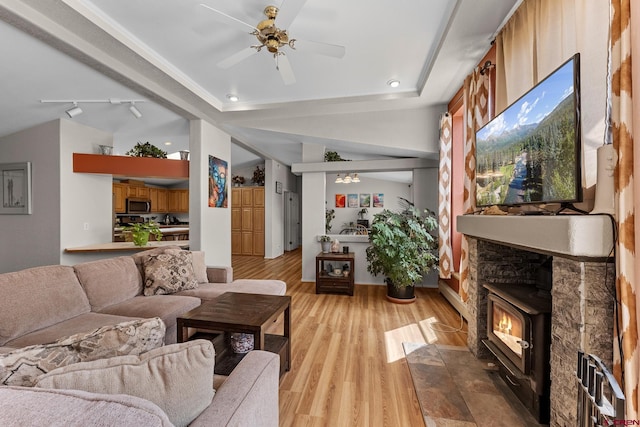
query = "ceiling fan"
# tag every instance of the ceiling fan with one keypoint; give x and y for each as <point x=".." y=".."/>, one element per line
<point x="274" y="39"/>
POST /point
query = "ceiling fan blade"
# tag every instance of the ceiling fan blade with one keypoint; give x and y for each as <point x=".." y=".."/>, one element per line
<point x="284" y="67"/>
<point x="326" y="49"/>
<point x="231" y="20"/>
<point x="236" y="57"/>
<point x="288" y="11"/>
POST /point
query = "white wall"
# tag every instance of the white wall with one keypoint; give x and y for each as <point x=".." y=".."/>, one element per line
<point x="209" y="228"/>
<point x="274" y="206"/>
<point x="86" y="201"/>
<point x="312" y="202"/>
<point x="33" y="240"/>
<point x="391" y="190"/>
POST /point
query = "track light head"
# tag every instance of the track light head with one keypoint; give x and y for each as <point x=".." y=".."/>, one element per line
<point x="134" y="110"/>
<point x="74" y="111"/>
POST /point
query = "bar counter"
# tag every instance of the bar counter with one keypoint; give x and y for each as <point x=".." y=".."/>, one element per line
<point x="127" y="246"/>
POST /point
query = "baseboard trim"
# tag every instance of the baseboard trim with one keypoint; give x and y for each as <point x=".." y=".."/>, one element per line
<point x="454" y="299"/>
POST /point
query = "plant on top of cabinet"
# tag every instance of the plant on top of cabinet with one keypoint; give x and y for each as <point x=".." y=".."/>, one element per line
<point x="258" y="176"/>
<point x="146" y="150"/>
<point x="333" y="156"/>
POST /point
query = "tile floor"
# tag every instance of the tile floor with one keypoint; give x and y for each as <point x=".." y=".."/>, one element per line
<point x="475" y="395"/>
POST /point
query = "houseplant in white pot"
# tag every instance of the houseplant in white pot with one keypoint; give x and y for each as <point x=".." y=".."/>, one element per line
<point x="325" y="243"/>
<point x="402" y="249"/>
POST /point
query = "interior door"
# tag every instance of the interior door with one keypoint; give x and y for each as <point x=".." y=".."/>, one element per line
<point x="291" y="221"/>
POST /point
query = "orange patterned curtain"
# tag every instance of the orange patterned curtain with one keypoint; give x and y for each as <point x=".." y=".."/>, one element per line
<point x="476" y="114"/>
<point x="444" y="198"/>
<point x="621" y="128"/>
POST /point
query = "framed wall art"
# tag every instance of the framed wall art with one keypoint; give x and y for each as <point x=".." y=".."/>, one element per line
<point x="217" y="182"/>
<point x="16" y="188"/>
<point x="352" y="200"/>
<point x="378" y="200"/>
<point x="365" y="200"/>
<point x="340" y="200"/>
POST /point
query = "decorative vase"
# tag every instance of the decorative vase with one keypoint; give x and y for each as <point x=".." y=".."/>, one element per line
<point x="140" y="238"/>
<point x="326" y="247"/>
<point x="241" y="343"/>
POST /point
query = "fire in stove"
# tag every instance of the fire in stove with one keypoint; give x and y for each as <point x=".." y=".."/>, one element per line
<point x="508" y="329"/>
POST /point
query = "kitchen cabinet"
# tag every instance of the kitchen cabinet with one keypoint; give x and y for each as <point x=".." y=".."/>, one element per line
<point x="178" y="200"/>
<point x="247" y="221"/>
<point x="138" y="191"/>
<point x="119" y="197"/>
<point x="158" y="198"/>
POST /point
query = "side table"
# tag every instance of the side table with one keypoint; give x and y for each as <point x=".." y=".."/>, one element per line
<point x="327" y="281"/>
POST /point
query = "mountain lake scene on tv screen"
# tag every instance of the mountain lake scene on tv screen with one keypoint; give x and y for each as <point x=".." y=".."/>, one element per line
<point x="528" y="153"/>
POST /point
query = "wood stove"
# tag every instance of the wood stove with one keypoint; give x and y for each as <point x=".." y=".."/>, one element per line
<point x="519" y="335"/>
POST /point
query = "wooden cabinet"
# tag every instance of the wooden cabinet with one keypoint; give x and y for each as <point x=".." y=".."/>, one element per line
<point x="158" y="198"/>
<point x="120" y="197"/>
<point x="178" y="200"/>
<point x="247" y="221"/>
<point x="330" y="281"/>
<point x="138" y="191"/>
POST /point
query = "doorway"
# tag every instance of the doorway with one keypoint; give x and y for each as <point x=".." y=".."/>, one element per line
<point x="291" y="221"/>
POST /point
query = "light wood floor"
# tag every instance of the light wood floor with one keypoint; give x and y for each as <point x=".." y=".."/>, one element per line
<point x="348" y="367"/>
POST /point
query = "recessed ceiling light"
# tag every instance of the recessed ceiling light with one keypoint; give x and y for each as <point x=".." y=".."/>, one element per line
<point x="233" y="98"/>
<point x="167" y="143"/>
<point x="393" y="83"/>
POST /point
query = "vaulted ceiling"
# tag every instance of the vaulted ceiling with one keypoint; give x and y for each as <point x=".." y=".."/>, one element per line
<point x="168" y="55"/>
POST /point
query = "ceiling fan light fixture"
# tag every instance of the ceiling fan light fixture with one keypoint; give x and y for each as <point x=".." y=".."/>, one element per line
<point x="394" y="83"/>
<point x="233" y="98"/>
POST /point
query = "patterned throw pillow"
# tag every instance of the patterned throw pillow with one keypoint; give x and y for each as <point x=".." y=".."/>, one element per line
<point x="168" y="273"/>
<point x="22" y="367"/>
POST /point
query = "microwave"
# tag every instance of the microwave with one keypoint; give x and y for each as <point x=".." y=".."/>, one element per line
<point x="138" y="206"/>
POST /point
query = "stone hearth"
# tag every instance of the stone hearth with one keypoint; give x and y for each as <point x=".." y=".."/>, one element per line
<point x="505" y="249"/>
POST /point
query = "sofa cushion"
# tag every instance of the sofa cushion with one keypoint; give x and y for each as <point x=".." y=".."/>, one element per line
<point x="210" y="291"/>
<point x="178" y="378"/>
<point x="109" y="281"/>
<point x="199" y="266"/>
<point x="40" y="297"/>
<point x="166" y="307"/>
<point x="22" y="366"/>
<point x="168" y="273"/>
<point x="79" y="324"/>
<point x="35" y="407"/>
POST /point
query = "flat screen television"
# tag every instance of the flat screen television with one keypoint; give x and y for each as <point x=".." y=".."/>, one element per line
<point x="531" y="152"/>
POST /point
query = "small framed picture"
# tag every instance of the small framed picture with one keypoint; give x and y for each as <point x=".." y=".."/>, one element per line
<point x="340" y="200"/>
<point x="278" y="187"/>
<point x="16" y="188"/>
<point x="365" y="200"/>
<point x="352" y="200"/>
<point x="378" y="200"/>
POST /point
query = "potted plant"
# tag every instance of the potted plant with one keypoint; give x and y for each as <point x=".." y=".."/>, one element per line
<point x="146" y="150"/>
<point x="140" y="232"/>
<point x="403" y="249"/>
<point x="237" y="180"/>
<point x="329" y="215"/>
<point x="325" y="242"/>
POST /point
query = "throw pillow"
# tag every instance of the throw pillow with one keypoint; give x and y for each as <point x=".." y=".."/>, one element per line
<point x="168" y="273"/>
<point x="21" y="367"/>
<point x="178" y="378"/>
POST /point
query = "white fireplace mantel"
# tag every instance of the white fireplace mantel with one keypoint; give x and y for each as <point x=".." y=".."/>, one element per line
<point x="572" y="236"/>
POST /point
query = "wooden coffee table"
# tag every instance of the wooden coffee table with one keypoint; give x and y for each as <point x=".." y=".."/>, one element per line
<point x="239" y="312"/>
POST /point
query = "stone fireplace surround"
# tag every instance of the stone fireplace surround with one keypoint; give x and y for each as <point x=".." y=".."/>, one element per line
<point x="505" y="249"/>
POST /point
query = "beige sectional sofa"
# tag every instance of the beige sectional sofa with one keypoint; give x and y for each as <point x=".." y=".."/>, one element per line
<point x="43" y="304"/>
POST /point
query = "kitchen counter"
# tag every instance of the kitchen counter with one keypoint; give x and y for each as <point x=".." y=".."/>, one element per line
<point x="127" y="246"/>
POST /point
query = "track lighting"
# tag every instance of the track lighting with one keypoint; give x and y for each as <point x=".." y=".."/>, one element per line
<point x="135" y="111"/>
<point x="74" y="111"/>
